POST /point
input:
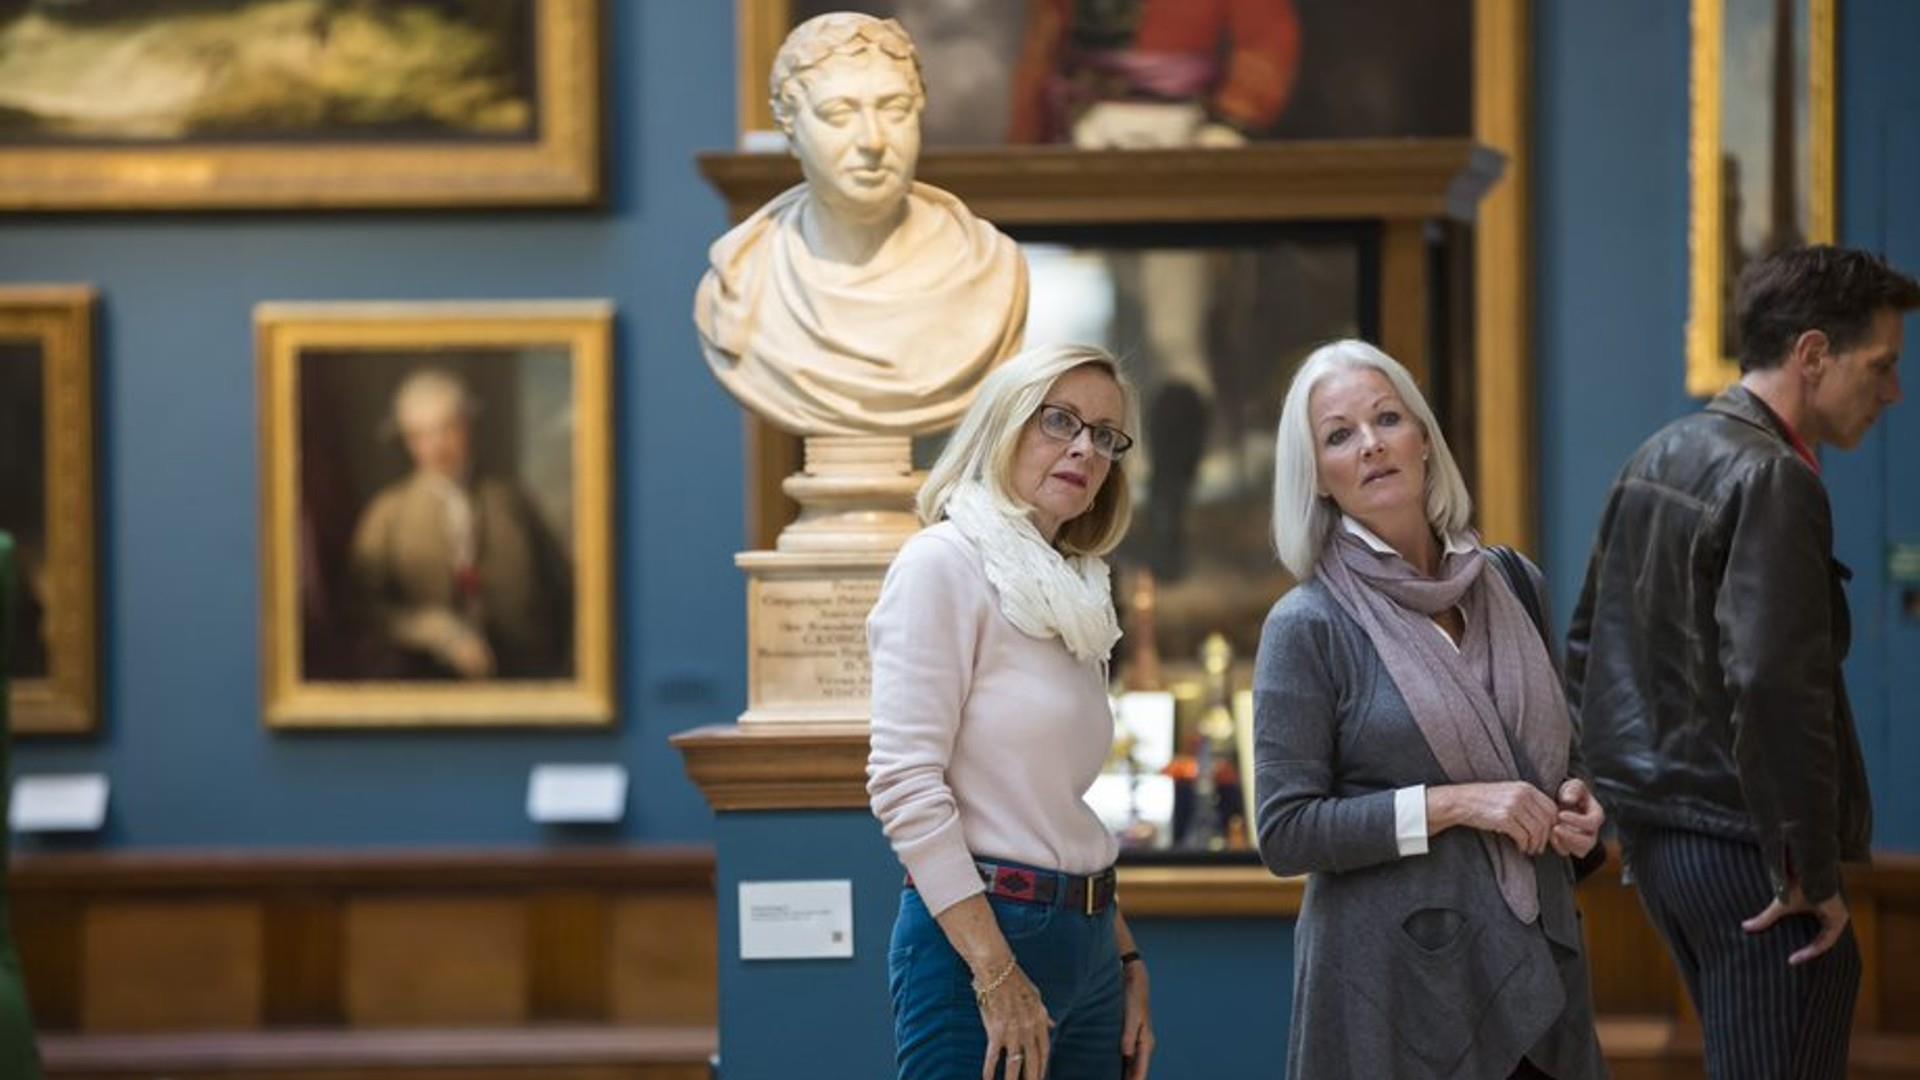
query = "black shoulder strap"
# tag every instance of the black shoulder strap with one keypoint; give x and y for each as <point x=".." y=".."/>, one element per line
<point x="1514" y="569"/>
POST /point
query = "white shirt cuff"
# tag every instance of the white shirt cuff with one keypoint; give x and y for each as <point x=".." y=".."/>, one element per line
<point x="1410" y="819"/>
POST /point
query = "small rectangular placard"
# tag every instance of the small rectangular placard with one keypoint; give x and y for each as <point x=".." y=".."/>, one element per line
<point x="796" y="920"/>
<point x="63" y="802"/>
<point x="1903" y="563"/>
<point x="577" y="794"/>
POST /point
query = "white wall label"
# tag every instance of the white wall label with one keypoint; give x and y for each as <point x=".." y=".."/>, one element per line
<point x="796" y="920"/>
<point x="577" y="794"/>
<point x="65" y="802"/>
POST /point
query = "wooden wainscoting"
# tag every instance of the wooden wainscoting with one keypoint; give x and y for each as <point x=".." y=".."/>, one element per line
<point x="1649" y="1028"/>
<point x="564" y="965"/>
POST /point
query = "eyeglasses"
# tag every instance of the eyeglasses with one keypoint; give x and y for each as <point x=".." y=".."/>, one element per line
<point x="1060" y="423"/>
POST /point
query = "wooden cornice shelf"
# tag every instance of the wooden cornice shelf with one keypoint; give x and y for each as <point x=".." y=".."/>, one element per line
<point x="778" y="767"/>
<point x="1332" y="180"/>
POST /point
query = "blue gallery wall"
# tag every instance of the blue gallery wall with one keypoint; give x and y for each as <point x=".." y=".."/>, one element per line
<point x="1875" y="489"/>
<point x="1610" y="255"/>
<point x="1610" y="258"/>
<point x="183" y="743"/>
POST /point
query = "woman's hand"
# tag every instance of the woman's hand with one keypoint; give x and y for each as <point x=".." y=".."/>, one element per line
<point x="1017" y="1024"/>
<point x="1577" y="824"/>
<point x="1515" y="809"/>
<point x="1010" y="1007"/>
<point x="1136" y="1031"/>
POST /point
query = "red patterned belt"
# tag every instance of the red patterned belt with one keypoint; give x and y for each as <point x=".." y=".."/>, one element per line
<point x="1089" y="894"/>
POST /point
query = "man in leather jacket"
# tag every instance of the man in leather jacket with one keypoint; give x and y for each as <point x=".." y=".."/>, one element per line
<point x="1703" y="665"/>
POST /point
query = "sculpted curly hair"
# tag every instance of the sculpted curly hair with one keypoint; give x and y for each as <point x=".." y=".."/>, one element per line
<point x="839" y="33"/>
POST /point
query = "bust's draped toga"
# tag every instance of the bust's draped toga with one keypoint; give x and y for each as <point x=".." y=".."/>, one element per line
<point x="892" y="347"/>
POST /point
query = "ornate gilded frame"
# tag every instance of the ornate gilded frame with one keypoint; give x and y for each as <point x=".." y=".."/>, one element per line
<point x="560" y="167"/>
<point x="1504" y="484"/>
<point x="1710" y="366"/>
<point x="59" y="319"/>
<point x="282" y="333"/>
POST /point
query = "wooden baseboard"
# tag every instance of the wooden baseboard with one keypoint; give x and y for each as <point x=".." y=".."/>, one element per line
<point x="378" y="1052"/>
<point x="222" y="945"/>
<point x="1658" y="1046"/>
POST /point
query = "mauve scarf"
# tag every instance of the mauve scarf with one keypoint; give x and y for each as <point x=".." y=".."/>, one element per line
<point x="1476" y="705"/>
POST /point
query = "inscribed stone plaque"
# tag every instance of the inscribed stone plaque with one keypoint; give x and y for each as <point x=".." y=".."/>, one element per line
<point x="810" y="639"/>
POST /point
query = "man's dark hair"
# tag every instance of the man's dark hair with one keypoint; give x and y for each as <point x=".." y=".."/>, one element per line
<point x="1832" y="289"/>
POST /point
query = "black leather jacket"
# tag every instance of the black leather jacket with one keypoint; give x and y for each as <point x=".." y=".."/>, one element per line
<point x="1703" y="661"/>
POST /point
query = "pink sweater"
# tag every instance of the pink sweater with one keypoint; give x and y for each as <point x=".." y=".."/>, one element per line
<point x="985" y="740"/>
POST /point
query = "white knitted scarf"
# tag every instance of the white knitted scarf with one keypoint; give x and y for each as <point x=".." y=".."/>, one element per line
<point x="1042" y="592"/>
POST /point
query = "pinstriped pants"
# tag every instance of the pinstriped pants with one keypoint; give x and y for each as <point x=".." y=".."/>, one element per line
<point x="1763" y="1019"/>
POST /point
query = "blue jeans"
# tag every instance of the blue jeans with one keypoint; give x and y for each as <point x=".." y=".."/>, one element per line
<point x="1070" y="957"/>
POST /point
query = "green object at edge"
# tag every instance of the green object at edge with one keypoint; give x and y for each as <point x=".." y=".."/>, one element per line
<point x="19" y="1058"/>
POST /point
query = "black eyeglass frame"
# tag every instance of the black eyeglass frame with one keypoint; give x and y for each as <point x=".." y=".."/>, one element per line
<point x="1122" y="442"/>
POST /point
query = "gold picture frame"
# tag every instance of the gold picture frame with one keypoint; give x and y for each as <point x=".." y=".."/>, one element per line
<point x="552" y="159"/>
<point x="1504" y="477"/>
<point x="52" y="327"/>
<point x="535" y="378"/>
<point x="1715" y="246"/>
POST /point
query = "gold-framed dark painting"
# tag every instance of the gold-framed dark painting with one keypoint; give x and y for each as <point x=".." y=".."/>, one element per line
<point x="435" y="524"/>
<point x="1762" y="158"/>
<point x="47" y="504"/>
<point x="1030" y="71"/>
<point x="296" y="104"/>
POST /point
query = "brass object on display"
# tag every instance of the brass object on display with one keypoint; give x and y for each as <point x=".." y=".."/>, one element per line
<point x="1215" y="821"/>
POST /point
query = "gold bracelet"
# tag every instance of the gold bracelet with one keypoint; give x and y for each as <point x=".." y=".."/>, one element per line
<point x="981" y="993"/>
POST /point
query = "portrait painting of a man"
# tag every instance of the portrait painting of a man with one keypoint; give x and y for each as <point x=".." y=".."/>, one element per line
<point x="458" y="573"/>
<point x="450" y="569"/>
<point x="436" y="513"/>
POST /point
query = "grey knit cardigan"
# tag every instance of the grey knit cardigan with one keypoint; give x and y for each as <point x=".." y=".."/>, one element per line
<point x="1403" y="967"/>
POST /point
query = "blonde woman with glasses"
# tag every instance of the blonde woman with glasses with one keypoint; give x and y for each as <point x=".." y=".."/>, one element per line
<point x="990" y="645"/>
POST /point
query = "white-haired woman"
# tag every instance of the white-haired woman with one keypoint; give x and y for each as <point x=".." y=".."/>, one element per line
<point x="1411" y="754"/>
<point x="990" y="644"/>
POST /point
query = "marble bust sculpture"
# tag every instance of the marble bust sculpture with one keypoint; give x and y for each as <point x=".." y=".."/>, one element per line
<point x="859" y="302"/>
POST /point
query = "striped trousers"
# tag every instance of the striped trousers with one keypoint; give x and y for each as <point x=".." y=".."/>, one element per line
<point x="1763" y="1019"/>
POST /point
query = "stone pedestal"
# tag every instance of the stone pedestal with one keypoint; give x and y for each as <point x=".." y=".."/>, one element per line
<point x="808" y="600"/>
